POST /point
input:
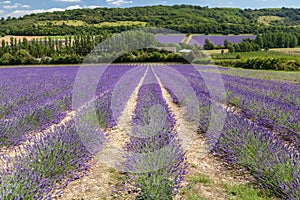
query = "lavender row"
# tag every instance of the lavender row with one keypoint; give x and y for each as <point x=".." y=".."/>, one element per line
<point x="269" y="160"/>
<point x="274" y="164"/>
<point x="57" y="157"/>
<point x="155" y="158"/>
<point x="54" y="159"/>
<point x="24" y="89"/>
<point x="257" y="103"/>
<point x="112" y="79"/>
<point x="39" y="117"/>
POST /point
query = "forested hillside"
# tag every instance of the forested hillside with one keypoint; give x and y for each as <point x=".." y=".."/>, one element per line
<point x="182" y="18"/>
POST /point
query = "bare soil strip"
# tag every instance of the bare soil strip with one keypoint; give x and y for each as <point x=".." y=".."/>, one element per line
<point x="118" y="135"/>
<point x="200" y="161"/>
<point x="187" y="39"/>
<point x="102" y="176"/>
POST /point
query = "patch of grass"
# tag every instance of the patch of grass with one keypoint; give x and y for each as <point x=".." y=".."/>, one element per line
<point x="195" y="196"/>
<point x="201" y="178"/>
<point x="245" y="192"/>
<point x="193" y="165"/>
<point x="190" y="192"/>
<point x="216" y="51"/>
<point x="287" y="51"/>
<point x="254" y="54"/>
<point x="62" y="22"/>
<point x="121" y="23"/>
<point x="58" y="37"/>
<point x="267" y="20"/>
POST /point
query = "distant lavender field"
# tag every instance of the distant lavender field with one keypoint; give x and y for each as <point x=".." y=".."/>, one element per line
<point x="219" y="40"/>
<point x="176" y="39"/>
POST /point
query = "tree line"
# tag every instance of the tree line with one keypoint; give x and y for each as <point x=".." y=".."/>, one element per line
<point x="47" y="50"/>
<point x="85" y="48"/>
<point x="262" y="41"/>
<point x="268" y="63"/>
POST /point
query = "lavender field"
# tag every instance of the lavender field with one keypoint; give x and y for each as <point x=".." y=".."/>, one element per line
<point x="219" y="40"/>
<point x="175" y="39"/>
<point x="148" y="125"/>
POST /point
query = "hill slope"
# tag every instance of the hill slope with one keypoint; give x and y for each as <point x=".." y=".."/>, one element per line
<point x="182" y="18"/>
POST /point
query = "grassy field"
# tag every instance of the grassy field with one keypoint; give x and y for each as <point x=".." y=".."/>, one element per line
<point x="288" y="51"/>
<point x="267" y="20"/>
<point x="7" y="38"/>
<point x="63" y="22"/>
<point x="280" y="76"/>
<point x="82" y="23"/>
<point x="121" y="23"/>
<point x="257" y="54"/>
<point x="216" y="51"/>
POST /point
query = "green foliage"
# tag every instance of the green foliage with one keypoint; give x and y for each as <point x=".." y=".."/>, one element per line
<point x="201" y="178"/>
<point x="152" y="55"/>
<point x="264" y="60"/>
<point x="208" y="45"/>
<point x="178" y="17"/>
<point x="269" y="63"/>
<point x="245" y="192"/>
<point x="6" y="59"/>
<point x="155" y="187"/>
<point x="266" y="40"/>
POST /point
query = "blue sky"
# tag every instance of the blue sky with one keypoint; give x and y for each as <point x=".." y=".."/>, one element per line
<point x="17" y="8"/>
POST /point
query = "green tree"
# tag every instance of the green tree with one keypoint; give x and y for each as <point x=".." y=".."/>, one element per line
<point x="6" y="59"/>
<point x="208" y="45"/>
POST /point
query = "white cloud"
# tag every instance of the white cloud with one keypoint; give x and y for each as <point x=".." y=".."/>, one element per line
<point x="73" y="7"/>
<point x="72" y="1"/>
<point x="118" y="2"/>
<point x="25" y="6"/>
<point x="18" y="13"/>
<point x="16" y="5"/>
<point x="1" y="12"/>
<point x="5" y="2"/>
<point x="91" y="7"/>
<point x="80" y="7"/>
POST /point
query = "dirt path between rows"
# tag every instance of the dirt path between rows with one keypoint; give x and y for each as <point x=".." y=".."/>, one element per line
<point x="102" y="176"/>
<point x="201" y="162"/>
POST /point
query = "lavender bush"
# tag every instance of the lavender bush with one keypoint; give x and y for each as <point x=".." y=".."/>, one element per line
<point x="55" y="158"/>
<point x="275" y="165"/>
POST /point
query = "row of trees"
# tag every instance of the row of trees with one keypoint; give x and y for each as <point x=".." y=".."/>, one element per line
<point x="48" y="50"/>
<point x="264" y="63"/>
<point x="88" y="48"/>
<point x="263" y="41"/>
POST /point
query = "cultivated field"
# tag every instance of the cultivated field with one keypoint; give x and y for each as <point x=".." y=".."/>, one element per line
<point x="7" y="37"/>
<point x="148" y="131"/>
<point x="82" y="23"/>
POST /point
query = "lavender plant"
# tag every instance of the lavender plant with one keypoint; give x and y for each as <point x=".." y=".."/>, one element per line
<point x="275" y="165"/>
<point x="52" y="159"/>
